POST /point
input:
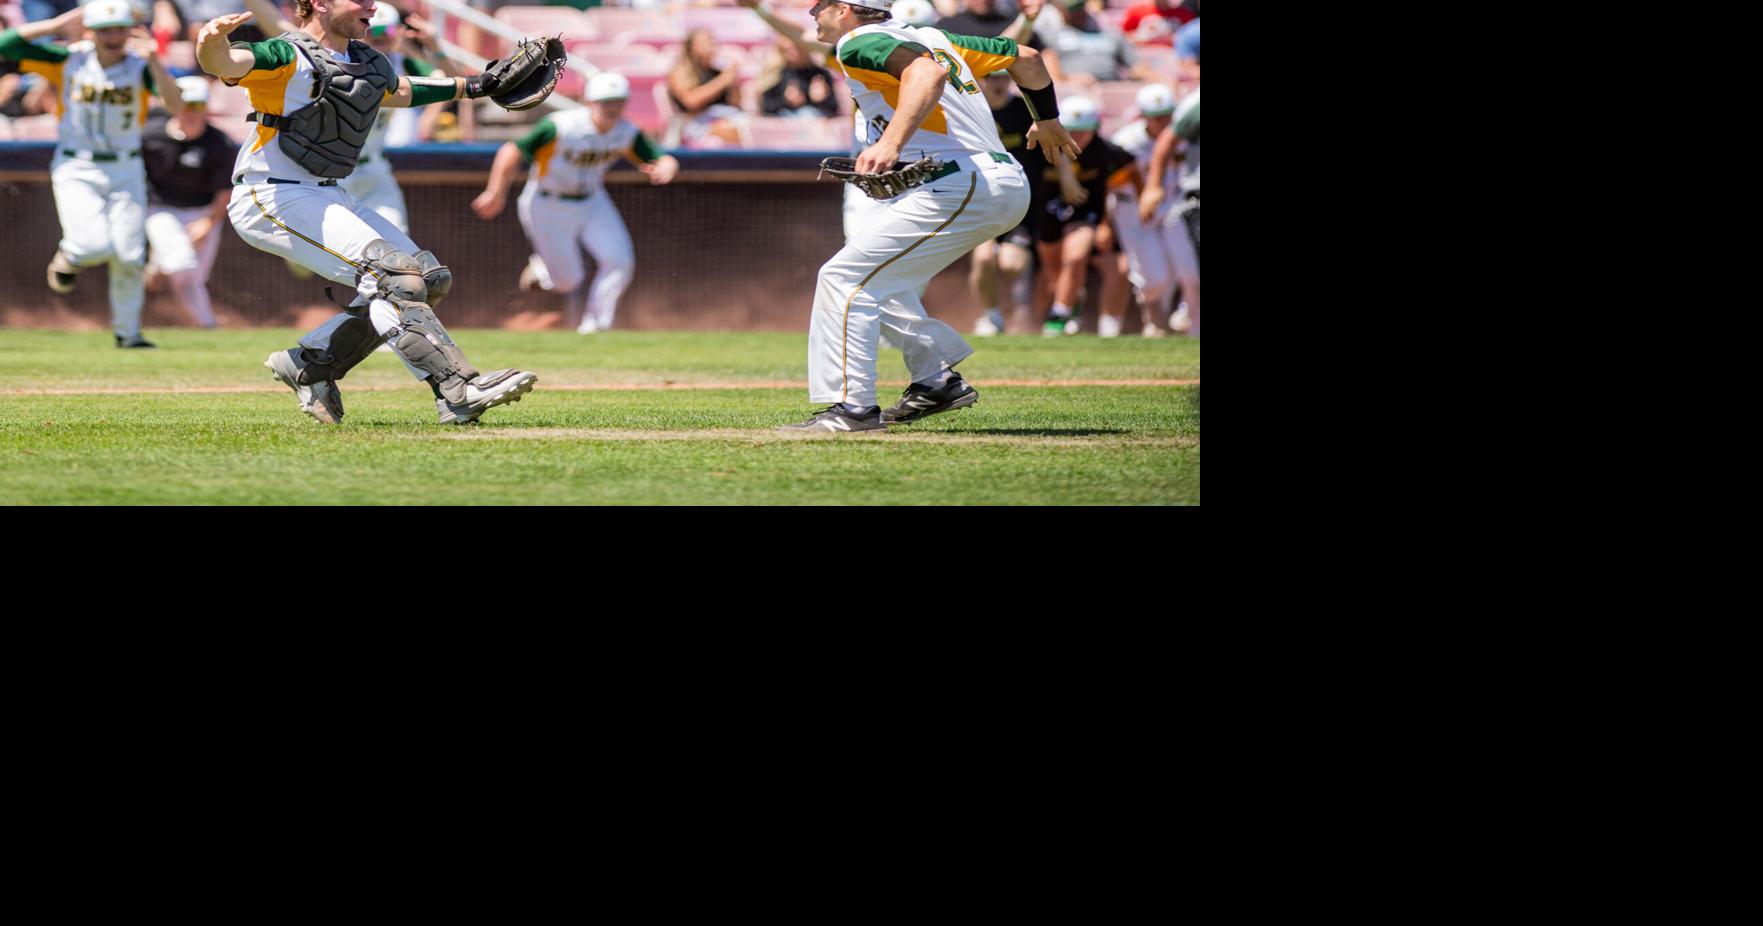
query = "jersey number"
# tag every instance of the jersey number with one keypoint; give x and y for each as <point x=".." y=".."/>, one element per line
<point x="954" y="69"/>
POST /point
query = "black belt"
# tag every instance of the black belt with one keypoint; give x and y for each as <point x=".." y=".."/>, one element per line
<point x="955" y="167"/>
<point x="241" y="179"/>
<point x="97" y="155"/>
<point x="566" y="196"/>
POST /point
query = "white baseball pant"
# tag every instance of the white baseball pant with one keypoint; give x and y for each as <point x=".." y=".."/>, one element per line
<point x="103" y="210"/>
<point x="323" y="229"/>
<point x="1159" y="256"/>
<point x="871" y="286"/>
<point x="560" y="228"/>
<point x="186" y="265"/>
<point x="374" y="187"/>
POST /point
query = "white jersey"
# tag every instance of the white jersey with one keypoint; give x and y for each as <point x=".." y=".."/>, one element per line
<point x="101" y="108"/>
<point x="279" y="83"/>
<point x="961" y="123"/>
<point x="1139" y="143"/>
<point x="570" y="156"/>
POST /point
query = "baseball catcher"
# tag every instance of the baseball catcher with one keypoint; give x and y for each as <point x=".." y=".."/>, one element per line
<point x="316" y="92"/>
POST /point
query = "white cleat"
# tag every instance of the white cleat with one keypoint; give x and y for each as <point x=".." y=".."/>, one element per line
<point x="1108" y="326"/>
<point x="486" y="392"/>
<point x="321" y="400"/>
<point x="989" y="325"/>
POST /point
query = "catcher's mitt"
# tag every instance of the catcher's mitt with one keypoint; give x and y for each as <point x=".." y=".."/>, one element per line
<point x="884" y="185"/>
<point x="523" y="79"/>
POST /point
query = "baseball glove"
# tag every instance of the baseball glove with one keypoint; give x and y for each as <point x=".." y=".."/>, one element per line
<point x="885" y="185"/>
<point x="523" y="79"/>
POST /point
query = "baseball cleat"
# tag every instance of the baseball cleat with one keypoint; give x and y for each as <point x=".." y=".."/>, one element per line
<point x="921" y="401"/>
<point x="838" y="420"/>
<point x="989" y="324"/>
<point x="486" y="392"/>
<point x="321" y="400"/>
<point x="588" y="326"/>
<point x="63" y="275"/>
<point x="529" y="276"/>
<point x="136" y="341"/>
<point x="1108" y="326"/>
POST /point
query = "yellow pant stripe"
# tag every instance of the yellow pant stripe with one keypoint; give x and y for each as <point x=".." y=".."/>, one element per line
<point x="360" y="267"/>
<point x="845" y="342"/>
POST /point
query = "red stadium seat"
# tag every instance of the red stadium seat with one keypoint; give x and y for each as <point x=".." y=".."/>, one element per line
<point x="730" y="26"/>
<point x="629" y="60"/>
<point x="781" y="133"/>
<point x="1118" y="102"/>
<point x="643" y="25"/>
<point x="548" y="20"/>
<point x="45" y="127"/>
<point x="644" y="108"/>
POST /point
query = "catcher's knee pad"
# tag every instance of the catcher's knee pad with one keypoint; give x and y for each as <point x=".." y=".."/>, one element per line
<point x="350" y="344"/>
<point x="398" y="276"/>
<point x="422" y="340"/>
<point x="435" y="276"/>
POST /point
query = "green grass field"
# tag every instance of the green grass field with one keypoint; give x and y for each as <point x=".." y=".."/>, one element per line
<point x="620" y="418"/>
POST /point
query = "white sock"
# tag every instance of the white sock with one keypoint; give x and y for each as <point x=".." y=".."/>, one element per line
<point x="1061" y="310"/>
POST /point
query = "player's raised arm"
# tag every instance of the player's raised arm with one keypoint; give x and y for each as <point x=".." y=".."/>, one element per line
<point x="795" y="33"/>
<point x="215" y="53"/>
<point x="41" y="29"/>
<point x="165" y="86"/>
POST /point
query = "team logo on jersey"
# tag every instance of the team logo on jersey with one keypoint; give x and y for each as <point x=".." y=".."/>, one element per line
<point x="110" y="96"/>
<point x="589" y="158"/>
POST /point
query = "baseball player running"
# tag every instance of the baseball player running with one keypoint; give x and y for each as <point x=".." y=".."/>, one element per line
<point x="101" y="89"/>
<point x="1159" y="256"/>
<point x="919" y="94"/>
<point x="316" y="93"/>
<point x="564" y="206"/>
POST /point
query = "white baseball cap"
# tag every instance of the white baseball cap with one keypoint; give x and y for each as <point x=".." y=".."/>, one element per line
<point x="608" y="85"/>
<point x="194" y="90"/>
<point x="1079" y="114"/>
<point x="872" y="4"/>
<point x="1155" y="100"/>
<point x="103" y="14"/>
<point x="385" y="20"/>
<point x="915" y="12"/>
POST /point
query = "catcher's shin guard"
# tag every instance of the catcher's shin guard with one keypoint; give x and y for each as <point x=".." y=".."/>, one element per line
<point x="425" y="343"/>
<point x="350" y="343"/>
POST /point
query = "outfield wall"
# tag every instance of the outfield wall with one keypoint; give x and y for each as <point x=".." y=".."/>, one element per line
<point x="732" y="244"/>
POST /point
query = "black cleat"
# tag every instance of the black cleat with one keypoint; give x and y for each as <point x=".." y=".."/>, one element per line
<point x="920" y="401"/>
<point x="837" y="420"/>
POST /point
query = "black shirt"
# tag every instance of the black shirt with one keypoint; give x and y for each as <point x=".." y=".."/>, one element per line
<point x="185" y="173"/>
<point x="772" y="102"/>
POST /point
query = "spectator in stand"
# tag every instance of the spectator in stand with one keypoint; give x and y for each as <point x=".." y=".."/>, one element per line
<point x="1155" y="23"/>
<point x="1088" y="52"/>
<point x="984" y="18"/>
<point x="1187" y="52"/>
<point x="708" y="99"/>
<point x="189" y="183"/>
<point x="794" y="85"/>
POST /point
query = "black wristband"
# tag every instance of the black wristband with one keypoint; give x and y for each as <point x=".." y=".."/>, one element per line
<point x="474" y="87"/>
<point x="1043" y="104"/>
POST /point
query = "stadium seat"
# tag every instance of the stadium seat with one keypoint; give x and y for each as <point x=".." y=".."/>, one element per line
<point x="629" y="60"/>
<point x="1118" y="100"/>
<point x="735" y="26"/>
<point x="646" y="25"/>
<point x="11" y="14"/>
<point x="548" y="20"/>
<point x="644" y="108"/>
<point x="231" y="102"/>
<point x="45" y="127"/>
<point x="782" y="133"/>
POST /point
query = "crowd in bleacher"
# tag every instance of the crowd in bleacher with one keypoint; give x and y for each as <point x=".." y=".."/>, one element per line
<point x="689" y="58"/>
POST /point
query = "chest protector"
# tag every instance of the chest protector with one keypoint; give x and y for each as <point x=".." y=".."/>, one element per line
<point x="325" y="136"/>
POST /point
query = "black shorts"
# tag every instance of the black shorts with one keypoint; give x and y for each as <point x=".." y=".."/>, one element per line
<point x="1057" y="216"/>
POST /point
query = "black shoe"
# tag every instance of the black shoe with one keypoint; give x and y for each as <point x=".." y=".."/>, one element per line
<point x="921" y="401"/>
<point x="136" y="341"/>
<point x="837" y="419"/>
